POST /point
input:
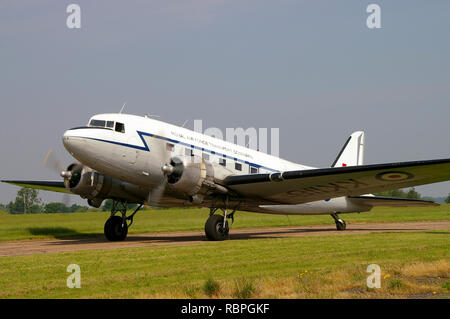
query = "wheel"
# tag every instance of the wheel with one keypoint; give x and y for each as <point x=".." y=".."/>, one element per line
<point x="340" y="224"/>
<point x="115" y="229"/>
<point x="214" y="228"/>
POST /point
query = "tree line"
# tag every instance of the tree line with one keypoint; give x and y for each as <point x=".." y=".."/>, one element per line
<point x="28" y="202"/>
<point x="399" y="193"/>
<point x="409" y="194"/>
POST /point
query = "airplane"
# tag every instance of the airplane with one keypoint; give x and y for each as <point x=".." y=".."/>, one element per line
<point x="140" y="160"/>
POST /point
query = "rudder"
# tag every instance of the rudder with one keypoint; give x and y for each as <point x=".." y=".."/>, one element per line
<point x="352" y="153"/>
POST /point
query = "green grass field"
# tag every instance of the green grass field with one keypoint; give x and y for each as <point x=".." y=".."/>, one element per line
<point x="16" y="227"/>
<point x="413" y="265"/>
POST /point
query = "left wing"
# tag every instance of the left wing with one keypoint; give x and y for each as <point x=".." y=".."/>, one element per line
<point x="297" y="187"/>
<point x="52" y="186"/>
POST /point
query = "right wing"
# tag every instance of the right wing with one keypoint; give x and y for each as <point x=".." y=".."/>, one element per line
<point x="298" y="187"/>
<point x="53" y="186"/>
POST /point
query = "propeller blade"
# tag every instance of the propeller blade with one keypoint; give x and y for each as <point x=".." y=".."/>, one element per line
<point x="52" y="162"/>
<point x="160" y="150"/>
<point x="155" y="195"/>
<point x="66" y="199"/>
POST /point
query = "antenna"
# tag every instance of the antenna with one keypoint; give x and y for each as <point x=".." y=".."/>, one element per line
<point x="185" y="123"/>
<point x="123" y="106"/>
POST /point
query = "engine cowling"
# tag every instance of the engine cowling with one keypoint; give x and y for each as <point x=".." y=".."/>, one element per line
<point x="91" y="185"/>
<point x="194" y="177"/>
<point x="86" y="182"/>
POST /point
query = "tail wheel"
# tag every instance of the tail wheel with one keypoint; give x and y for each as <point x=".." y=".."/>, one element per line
<point x="215" y="228"/>
<point x="116" y="229"/>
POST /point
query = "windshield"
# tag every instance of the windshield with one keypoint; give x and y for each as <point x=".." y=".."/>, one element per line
<point x="102" y="123"/>
<point x="97" y="123"/>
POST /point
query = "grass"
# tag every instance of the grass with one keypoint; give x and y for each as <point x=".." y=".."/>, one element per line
<point x="446" y="285"/>
<point x="244" y="288"/>
<point x="211" y="287"/>
<point x="16" y="227"/>
<point x="395" y="284"/>
<point x="414" y="265"/>
<point x="303" y="267"/>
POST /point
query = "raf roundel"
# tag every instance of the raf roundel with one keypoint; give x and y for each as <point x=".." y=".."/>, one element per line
<point x="394" y="176"/>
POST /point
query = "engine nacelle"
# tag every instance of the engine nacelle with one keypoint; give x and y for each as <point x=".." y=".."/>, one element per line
<point x="86" y="182"/>
<point x="96" y="187"/>
<point x="194" y="177"/>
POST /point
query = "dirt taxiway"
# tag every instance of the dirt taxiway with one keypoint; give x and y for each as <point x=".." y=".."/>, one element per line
<point x="43" y="246"/>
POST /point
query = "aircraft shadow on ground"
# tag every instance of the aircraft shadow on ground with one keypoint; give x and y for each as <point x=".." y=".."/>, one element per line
<point x="56" y="232"/>
<point x="257" y="234"/>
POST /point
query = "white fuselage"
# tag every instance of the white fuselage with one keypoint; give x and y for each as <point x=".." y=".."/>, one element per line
<point x="133" y="149"/>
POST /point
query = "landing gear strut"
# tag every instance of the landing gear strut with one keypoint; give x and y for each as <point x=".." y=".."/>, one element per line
<point x="340" y="224"/>
<point x="116" y="227"/>
<point x="217" y="226"/>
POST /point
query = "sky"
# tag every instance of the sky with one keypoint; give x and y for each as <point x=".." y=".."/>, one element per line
<point x="313" y="69"/>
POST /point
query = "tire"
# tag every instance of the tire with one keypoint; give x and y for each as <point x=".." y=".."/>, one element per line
<point x="341" y="225"/>
<point x="214" y="229"/>
<point x="114" y="230"/>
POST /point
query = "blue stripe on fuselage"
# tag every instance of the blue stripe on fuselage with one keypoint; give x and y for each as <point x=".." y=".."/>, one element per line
<point x="147" y="149"/>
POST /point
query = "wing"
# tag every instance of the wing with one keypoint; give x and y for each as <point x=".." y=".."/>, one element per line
<point x="297" y="187"/>
<point x="390" y="201"/>
<point x="53" y="186"/>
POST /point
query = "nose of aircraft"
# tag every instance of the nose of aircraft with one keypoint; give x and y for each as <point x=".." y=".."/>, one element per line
<point x="72" y="143"/>
<point x="66" y="140"/>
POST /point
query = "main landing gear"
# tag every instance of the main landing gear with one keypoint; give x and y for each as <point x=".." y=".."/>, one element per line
<point x="340" y="224"/>
<point x="217" y="226"/>
<point x="116" y="227"/>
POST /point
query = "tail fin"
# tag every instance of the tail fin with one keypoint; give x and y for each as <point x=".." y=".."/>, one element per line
<point x="352" y="154"/>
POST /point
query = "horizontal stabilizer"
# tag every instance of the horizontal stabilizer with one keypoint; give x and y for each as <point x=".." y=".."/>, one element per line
<point x="391" y="201"/>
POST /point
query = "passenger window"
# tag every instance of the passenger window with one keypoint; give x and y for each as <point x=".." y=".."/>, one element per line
<point x="222" y="161"/>
<point x="253" y="170"/>
<point x="110" y="124"/>
<point x="120" y="127"/>
<point x="97" y="123"/>
<point x="238" y="166"/>
<point x="205" y="156"/>
<point x="170" y="147"/>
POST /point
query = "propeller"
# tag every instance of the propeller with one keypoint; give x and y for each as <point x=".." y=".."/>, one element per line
<point x="54" y="164"/>
<point x="168" y="168"/>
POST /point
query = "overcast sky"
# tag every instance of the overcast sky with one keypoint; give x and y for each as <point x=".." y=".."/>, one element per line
<point x="311" y="68"/>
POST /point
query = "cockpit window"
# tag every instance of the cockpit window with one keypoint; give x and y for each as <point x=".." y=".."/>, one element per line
<point x="110" y="124"/>
<point x="97" y="123"/>
<point x="120" y="127"/>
